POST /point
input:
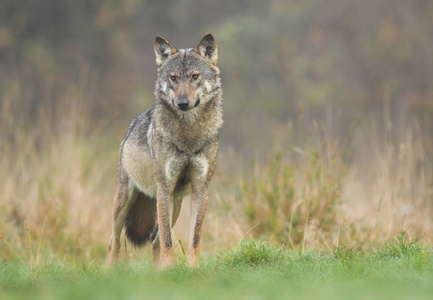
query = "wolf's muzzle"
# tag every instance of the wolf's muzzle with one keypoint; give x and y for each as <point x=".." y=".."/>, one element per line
<point x="183" y="104"/>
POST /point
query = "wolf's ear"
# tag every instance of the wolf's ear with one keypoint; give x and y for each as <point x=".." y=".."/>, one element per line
<point x="208" y="48"/>
<point x="163" y="50"/>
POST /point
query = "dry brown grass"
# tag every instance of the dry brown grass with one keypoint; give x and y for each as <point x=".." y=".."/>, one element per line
<point x="58" y="181"/>
<point x="314" y="197"/>
<point x="389" y="188"/>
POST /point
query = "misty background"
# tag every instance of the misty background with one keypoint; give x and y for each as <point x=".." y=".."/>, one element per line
<point x="281" y="60"/>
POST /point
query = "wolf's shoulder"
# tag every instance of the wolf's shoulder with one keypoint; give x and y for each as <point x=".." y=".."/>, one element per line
<point x="139" y="126"/>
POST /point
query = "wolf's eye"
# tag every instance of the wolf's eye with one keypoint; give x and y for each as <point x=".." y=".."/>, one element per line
<point x="172" y="77"/>
<point x="194" y="76"/>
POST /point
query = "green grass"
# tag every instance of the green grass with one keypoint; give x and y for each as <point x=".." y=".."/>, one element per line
<point x="255" y="270"/>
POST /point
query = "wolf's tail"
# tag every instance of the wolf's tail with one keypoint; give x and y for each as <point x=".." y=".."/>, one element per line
<point x="141" y="223"/>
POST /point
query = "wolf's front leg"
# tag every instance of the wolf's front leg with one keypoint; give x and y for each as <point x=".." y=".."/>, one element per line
<point x="164" y="204"/>
<point x="199" y="201"/>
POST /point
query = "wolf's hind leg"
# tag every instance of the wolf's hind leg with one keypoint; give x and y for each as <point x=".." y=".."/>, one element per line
<point x="123" y="200"/>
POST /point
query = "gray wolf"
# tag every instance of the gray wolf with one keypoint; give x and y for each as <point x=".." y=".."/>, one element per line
<point x="169" y="151"/>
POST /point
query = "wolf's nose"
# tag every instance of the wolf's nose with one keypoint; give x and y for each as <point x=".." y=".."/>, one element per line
<point x="182" y="104"/>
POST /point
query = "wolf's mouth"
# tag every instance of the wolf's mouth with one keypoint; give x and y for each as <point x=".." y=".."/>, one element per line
<point x="185" y="107"/>
<point x="197" y="102"/>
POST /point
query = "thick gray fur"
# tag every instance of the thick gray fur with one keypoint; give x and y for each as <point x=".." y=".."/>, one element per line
<point x="169" y="151"/>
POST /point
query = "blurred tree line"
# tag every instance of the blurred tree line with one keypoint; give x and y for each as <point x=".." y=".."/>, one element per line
<point x="282" y="61"/>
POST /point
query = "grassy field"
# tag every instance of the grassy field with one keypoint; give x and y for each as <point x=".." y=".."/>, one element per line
<point x="254" y="270"/>
<point x="331" y="206"/>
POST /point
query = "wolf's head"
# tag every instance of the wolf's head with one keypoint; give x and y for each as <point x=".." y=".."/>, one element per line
<point x="187" y="78"/>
